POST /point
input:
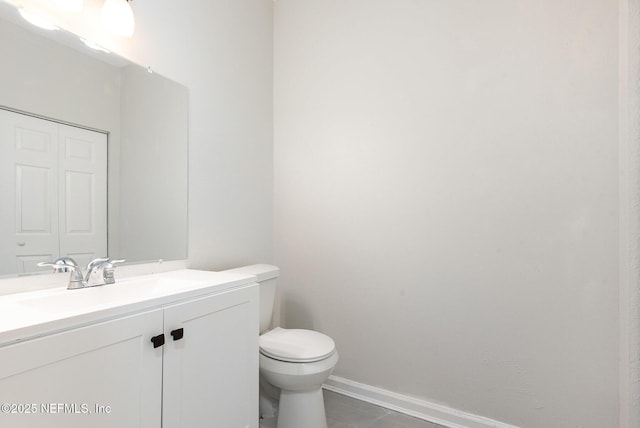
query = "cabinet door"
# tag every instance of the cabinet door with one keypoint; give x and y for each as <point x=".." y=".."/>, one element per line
<point x="211" y="373"/>
<point x="104" y="376"/>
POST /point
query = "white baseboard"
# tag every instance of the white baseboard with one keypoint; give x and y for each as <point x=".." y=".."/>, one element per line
<point x="436" y="413"/>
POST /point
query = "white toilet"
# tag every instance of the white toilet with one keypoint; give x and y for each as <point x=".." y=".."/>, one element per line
<point x="293" y="364"/>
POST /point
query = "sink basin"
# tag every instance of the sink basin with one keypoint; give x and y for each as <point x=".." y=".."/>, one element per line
<point x="62" y="300"/>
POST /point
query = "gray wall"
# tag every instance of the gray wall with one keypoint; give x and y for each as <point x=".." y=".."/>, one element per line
<point x="446" y="199"/>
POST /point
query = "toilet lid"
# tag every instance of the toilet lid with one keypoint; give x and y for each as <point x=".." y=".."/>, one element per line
<point x="294" y="345"/>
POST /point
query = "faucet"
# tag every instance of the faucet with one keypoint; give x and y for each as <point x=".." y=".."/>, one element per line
<point x="99" y="271"/>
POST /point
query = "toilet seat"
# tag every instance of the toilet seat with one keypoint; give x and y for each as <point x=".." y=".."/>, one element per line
<point x="296" y="345"/>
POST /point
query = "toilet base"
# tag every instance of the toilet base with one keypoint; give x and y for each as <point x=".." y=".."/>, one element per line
<point x="299" y="399"/>
<point x="301" y="409"/>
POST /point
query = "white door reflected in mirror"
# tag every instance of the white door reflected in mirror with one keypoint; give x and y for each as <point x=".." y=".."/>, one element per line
<point x="54" y="188"/>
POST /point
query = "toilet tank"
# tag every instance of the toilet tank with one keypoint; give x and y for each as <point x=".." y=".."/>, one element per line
<point x="266" y="276"/>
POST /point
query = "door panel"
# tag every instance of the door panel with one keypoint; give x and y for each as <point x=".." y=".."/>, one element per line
<point x="83" y="196"/>
<point x="28" y="187"/>
<point x="216" y="361"/>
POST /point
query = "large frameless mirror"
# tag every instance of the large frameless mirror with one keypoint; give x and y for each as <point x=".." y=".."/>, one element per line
<point x="94" y="149"/>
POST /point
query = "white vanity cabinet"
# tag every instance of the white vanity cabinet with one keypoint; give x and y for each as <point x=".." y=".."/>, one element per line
<point x="110" y="374"/>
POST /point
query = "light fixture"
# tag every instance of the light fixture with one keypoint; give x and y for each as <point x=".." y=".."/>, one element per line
<point x="36" y="19"/>
<point x="69" y="5"/>
<point x="117" y="17"/>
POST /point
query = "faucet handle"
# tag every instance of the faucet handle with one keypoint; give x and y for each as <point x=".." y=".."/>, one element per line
<point x="56" y="267"/>
<point x="101" y="272"/>
<point x="109" y="268"/>
<point x="96" y="262"/>
<point x="63" y="264"/>
<point x="66" y="264"/>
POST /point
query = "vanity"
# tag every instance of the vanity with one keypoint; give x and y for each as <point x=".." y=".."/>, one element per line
<point x="172" y="349"/>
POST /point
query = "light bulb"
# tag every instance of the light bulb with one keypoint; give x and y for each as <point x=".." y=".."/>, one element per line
<point x="117" y="17"/>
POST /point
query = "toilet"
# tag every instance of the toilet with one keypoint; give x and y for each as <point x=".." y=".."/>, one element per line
<point x="294" y="363"/>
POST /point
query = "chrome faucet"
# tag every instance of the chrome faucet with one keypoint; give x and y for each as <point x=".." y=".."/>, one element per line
<point x="99" y="271"/>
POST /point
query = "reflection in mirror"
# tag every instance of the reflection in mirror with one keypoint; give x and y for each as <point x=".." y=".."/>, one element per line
<point x="54" y="76"/>
<point x="54" y="188"/>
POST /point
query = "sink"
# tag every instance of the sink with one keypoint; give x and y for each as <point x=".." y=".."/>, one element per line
<point x="63" y="302"/>
<point x="126" y="291"/>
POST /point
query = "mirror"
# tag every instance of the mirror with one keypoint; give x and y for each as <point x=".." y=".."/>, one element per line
<point x="53" y="75"/>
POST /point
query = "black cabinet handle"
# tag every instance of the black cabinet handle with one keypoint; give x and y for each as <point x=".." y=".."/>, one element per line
<point x="177" y="334"/>
<point x="158" y="340"/>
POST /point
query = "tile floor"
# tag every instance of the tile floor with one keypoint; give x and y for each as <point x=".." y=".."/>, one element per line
<point x="347" y="412"/>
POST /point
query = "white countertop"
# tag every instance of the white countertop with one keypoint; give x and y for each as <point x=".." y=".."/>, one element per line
<point x="36" y="313"/>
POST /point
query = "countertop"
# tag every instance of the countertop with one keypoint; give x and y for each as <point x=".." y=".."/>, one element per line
<point x="32" y="314"/>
